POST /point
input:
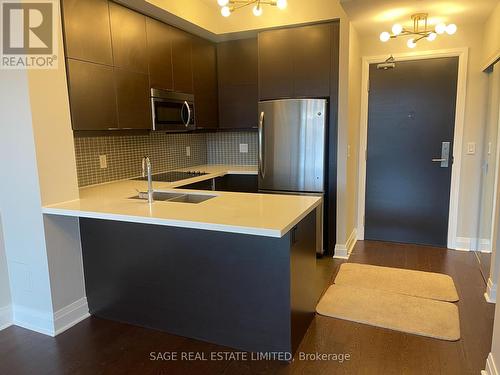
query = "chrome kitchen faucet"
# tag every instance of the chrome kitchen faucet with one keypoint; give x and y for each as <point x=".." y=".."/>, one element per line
<point x="147" y="170"/>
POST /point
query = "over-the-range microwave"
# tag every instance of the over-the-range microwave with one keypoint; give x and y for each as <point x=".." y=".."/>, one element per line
<point x="172" y="111"/>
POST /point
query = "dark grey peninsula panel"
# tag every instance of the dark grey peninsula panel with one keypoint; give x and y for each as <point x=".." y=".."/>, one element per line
<point x="247" y="292"/>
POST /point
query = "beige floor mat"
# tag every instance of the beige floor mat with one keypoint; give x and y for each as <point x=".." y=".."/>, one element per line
<point x="413" y="283"/>
<point x="394" y="311"/>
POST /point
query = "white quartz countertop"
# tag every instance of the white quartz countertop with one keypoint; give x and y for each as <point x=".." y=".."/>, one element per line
<point x="268" y="215"/>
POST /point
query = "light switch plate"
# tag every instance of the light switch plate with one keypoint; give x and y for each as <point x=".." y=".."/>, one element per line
<point x="103" y="161"/>
<point x="471" y="148"/>
<point x="188" y="151"/>
<point x="244" y="148"/>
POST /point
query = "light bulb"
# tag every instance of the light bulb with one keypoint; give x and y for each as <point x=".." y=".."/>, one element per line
<point x="385" y="36"/>
<point x="440" y="28"/>
<point x="451" y="29"/>
<point x="257" y="10"/>
<point x="225" y="11"/>
<point x="281" y="4"/>
<point x="411" y="43"/>
<point x="431" y="37"/>
<point x="223" y="3"/>
<point x="397" y="29"/>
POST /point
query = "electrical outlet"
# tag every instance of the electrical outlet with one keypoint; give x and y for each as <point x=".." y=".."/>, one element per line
<point x="348" y="151"/>
<point x="188" y="151"/>
<point x="489" y="148"/>
<point x="471" y="148"/>
<point x="244" y="148"/>
<point x="103" y="161"/>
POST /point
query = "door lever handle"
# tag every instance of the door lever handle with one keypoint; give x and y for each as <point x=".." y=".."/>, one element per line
<point x="439" y="160"/>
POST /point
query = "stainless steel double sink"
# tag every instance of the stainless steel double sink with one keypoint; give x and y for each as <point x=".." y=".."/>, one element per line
<point x="175" y="197"/>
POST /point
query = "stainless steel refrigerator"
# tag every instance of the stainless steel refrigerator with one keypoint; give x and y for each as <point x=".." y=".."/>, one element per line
<point x="292" y="139"/>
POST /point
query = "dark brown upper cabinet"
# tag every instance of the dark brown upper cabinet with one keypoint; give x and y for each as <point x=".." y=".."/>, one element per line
<point x="276" y="49"/>
<point x="181" y="61"/>
<point x="159" y="54"/>
<point x="237" y="68"/>
<point x="128" y="36"/>
<point x="312" y="60"/>
<point x="92" y="96"/>
<point x="87" y="30"/>
<point x="295" y="62"/>
<point x="133" y="99"/>
<point x="205" y="84"/>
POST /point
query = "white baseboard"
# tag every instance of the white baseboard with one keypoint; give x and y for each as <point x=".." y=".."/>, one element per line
<point x="5" y="317"/>
<point x="491" y="368"/>
<point x="33" y="320"/>
<point x="484" y="245"/>
<point x="462" y="244"/>
<point x="70" y="315"/>
<point x="51" y="324"/>
<point x="342" y="251"/>
<point x="491" y="291"/>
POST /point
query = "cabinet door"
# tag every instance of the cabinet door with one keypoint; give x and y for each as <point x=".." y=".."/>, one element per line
<point x="181" y="61"/>
<point x="133" y="99"/>
<point x="159" y="54"/>
<point x="205" y="84"/>
<point x="237" y="69"/>
<point x="92" y="96"/>
<point x="276" y="51"/>
<point x="237" y="183"/>
<point x="311" y="60"/>
<point x="128" y="32"/>
<point x="87" y="30"/>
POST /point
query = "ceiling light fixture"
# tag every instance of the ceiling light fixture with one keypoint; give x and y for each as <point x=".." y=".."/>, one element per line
<point x="419" y="32"/>
<point x="229" y="6"/>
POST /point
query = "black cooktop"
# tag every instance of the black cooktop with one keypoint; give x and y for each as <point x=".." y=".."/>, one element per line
<point x="172" y="176"/>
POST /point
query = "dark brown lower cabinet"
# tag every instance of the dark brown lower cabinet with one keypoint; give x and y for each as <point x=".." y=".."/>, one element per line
<point x="243" y="291"/>
<point x="240" y="183"/>
<point x="92" y="96"/>
<point x="133" y="98"/>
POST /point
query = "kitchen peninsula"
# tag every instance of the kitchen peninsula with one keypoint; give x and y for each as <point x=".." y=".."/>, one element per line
<point x="237" y="269"/>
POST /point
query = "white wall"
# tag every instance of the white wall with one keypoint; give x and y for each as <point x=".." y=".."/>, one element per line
<point x="470" y="36"/>
<point x="354" y="118"/>
<point x="20" y="207"/>
<point x="55" y="156"/>
<point x="5" y="300"/>
<point x="348" y="136"/>
<point x="38" y="165"/>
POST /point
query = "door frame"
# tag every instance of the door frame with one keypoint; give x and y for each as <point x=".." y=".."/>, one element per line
<point x="462" y="54"/>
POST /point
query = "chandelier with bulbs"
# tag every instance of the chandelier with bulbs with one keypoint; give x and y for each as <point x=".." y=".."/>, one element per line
<point x="420" y="30"/>
<point x="229" y="6"/>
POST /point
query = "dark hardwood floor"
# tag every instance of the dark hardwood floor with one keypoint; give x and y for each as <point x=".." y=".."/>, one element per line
<point x="97" y="346"/>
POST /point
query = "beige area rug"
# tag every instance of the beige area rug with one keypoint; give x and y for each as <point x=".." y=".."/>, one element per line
<point x="413" y="283"/>
<point x="400" y="312"/>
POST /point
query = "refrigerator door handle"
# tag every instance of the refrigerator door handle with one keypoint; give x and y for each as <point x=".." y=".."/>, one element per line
<point x="261" y="145"/>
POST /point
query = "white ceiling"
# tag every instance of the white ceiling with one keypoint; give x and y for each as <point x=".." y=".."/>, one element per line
<point x="199" y="16"/>
<point x="374" y="16"/>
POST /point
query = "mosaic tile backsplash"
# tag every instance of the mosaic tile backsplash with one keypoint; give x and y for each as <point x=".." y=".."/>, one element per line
<point x="167" y="151"/>
<point x="223" y="148"/>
